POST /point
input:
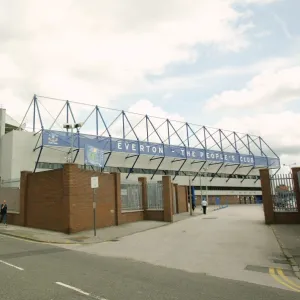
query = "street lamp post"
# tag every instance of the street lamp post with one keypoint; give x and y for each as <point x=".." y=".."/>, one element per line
<point x="190" y="189"/>
<point x="72" y="126"/>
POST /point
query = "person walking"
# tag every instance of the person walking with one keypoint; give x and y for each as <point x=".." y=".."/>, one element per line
<point x="4" y="213"/>
<point x="204" y="205"/>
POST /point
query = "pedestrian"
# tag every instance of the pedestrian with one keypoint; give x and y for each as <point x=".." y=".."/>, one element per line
<point x="204" y="205"/>
<point x="3" y="213"/>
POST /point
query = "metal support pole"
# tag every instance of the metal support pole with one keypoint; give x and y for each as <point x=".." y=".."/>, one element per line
<point x="190" y="189"/>
<point x="206" y="192"/>
<point x="72" y="142"/>
<point x="34" y="108"/>
<point x="94" y="211"/>
<point x="200" y="189"/>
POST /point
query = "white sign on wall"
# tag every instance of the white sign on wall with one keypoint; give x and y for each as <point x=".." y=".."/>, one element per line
<point x="124" y="192"/>
<point x="94" y="182"/>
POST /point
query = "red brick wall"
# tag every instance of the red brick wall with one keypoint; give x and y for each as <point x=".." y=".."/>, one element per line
<point x="62" y="200"/>
<point x="224" y="199"/>
<point x="286" y="218"/>
<point x="81" y="199"/>
<point x="14" y="219"/>
<point x="154" y="215"/>
<point x="182" y="199"/>
<point x="46" y="206"/>
<point x="129" y="217"/>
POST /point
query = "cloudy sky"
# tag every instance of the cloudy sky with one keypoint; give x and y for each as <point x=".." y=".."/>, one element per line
<point x="233" y="64"/>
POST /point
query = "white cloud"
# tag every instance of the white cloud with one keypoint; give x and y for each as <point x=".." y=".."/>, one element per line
<point x="272" y="87"/>
<point x="266" y="94"/>
<point x="279" y="130"/>
<point x="272" y="64"/>
<point x="93" y="52"/>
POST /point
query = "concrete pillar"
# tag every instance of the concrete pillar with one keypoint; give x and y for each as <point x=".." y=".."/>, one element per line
<point x="168" y="198"/>
<point x="2" y="121"/>
<point x="267" y="196"/>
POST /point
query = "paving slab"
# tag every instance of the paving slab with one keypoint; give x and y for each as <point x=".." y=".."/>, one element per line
<point x="289" y="239"/>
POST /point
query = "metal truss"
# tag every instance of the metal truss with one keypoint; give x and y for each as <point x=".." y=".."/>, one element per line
<point x="139" y="129"/>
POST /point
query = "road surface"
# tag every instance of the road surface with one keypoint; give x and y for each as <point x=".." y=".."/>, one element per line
<point x="32" y="271"/>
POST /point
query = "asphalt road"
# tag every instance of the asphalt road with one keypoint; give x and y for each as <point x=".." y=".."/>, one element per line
<point x="30" y="271"/>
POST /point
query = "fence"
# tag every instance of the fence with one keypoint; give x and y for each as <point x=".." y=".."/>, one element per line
<point x="155" y="196"/>
<point x="283" y="193"/>
<point x="10" y="191"/>
<point x="131" y="196"/>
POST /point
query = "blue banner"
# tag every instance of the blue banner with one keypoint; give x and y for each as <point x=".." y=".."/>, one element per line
<point x="93" y="156"/>
<point x="107" y="144"/>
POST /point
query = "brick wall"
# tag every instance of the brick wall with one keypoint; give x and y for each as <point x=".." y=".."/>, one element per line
<point x="46" y="207"/>
<point x="182" y="198"/>
<point x="154" y="215"/>
<point x="224" y="199"/>
<point x="81" y="199"/>
<point x="14" y="219"/>
<point x="62" y="200"/>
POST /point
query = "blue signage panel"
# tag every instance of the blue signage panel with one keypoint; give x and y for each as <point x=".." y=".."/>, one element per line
<point x="63" y="139"/>
<point x="93" y="156"/>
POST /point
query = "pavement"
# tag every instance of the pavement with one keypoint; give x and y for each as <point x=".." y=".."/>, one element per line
<point x="35" y="271"/>
<point x="288" y="237"/>
<point x="85" y="237"/>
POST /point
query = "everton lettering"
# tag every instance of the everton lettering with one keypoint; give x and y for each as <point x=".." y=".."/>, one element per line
<point x="132" y="147"/>
<point x="63" y="139"/>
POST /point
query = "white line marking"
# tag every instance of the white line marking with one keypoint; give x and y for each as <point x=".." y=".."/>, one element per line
<point x="73" y="288"/>
<point x="5" y="263"/>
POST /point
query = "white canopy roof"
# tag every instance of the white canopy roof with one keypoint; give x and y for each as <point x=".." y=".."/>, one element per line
<point x="10" y="121"/>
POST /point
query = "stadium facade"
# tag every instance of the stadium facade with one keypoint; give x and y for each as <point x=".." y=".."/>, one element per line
<point x="218" y="163"/>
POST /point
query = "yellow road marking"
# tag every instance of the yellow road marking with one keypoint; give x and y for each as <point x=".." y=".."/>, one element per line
<point x="286" y="279"/>
<point x="279" y="280"/>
